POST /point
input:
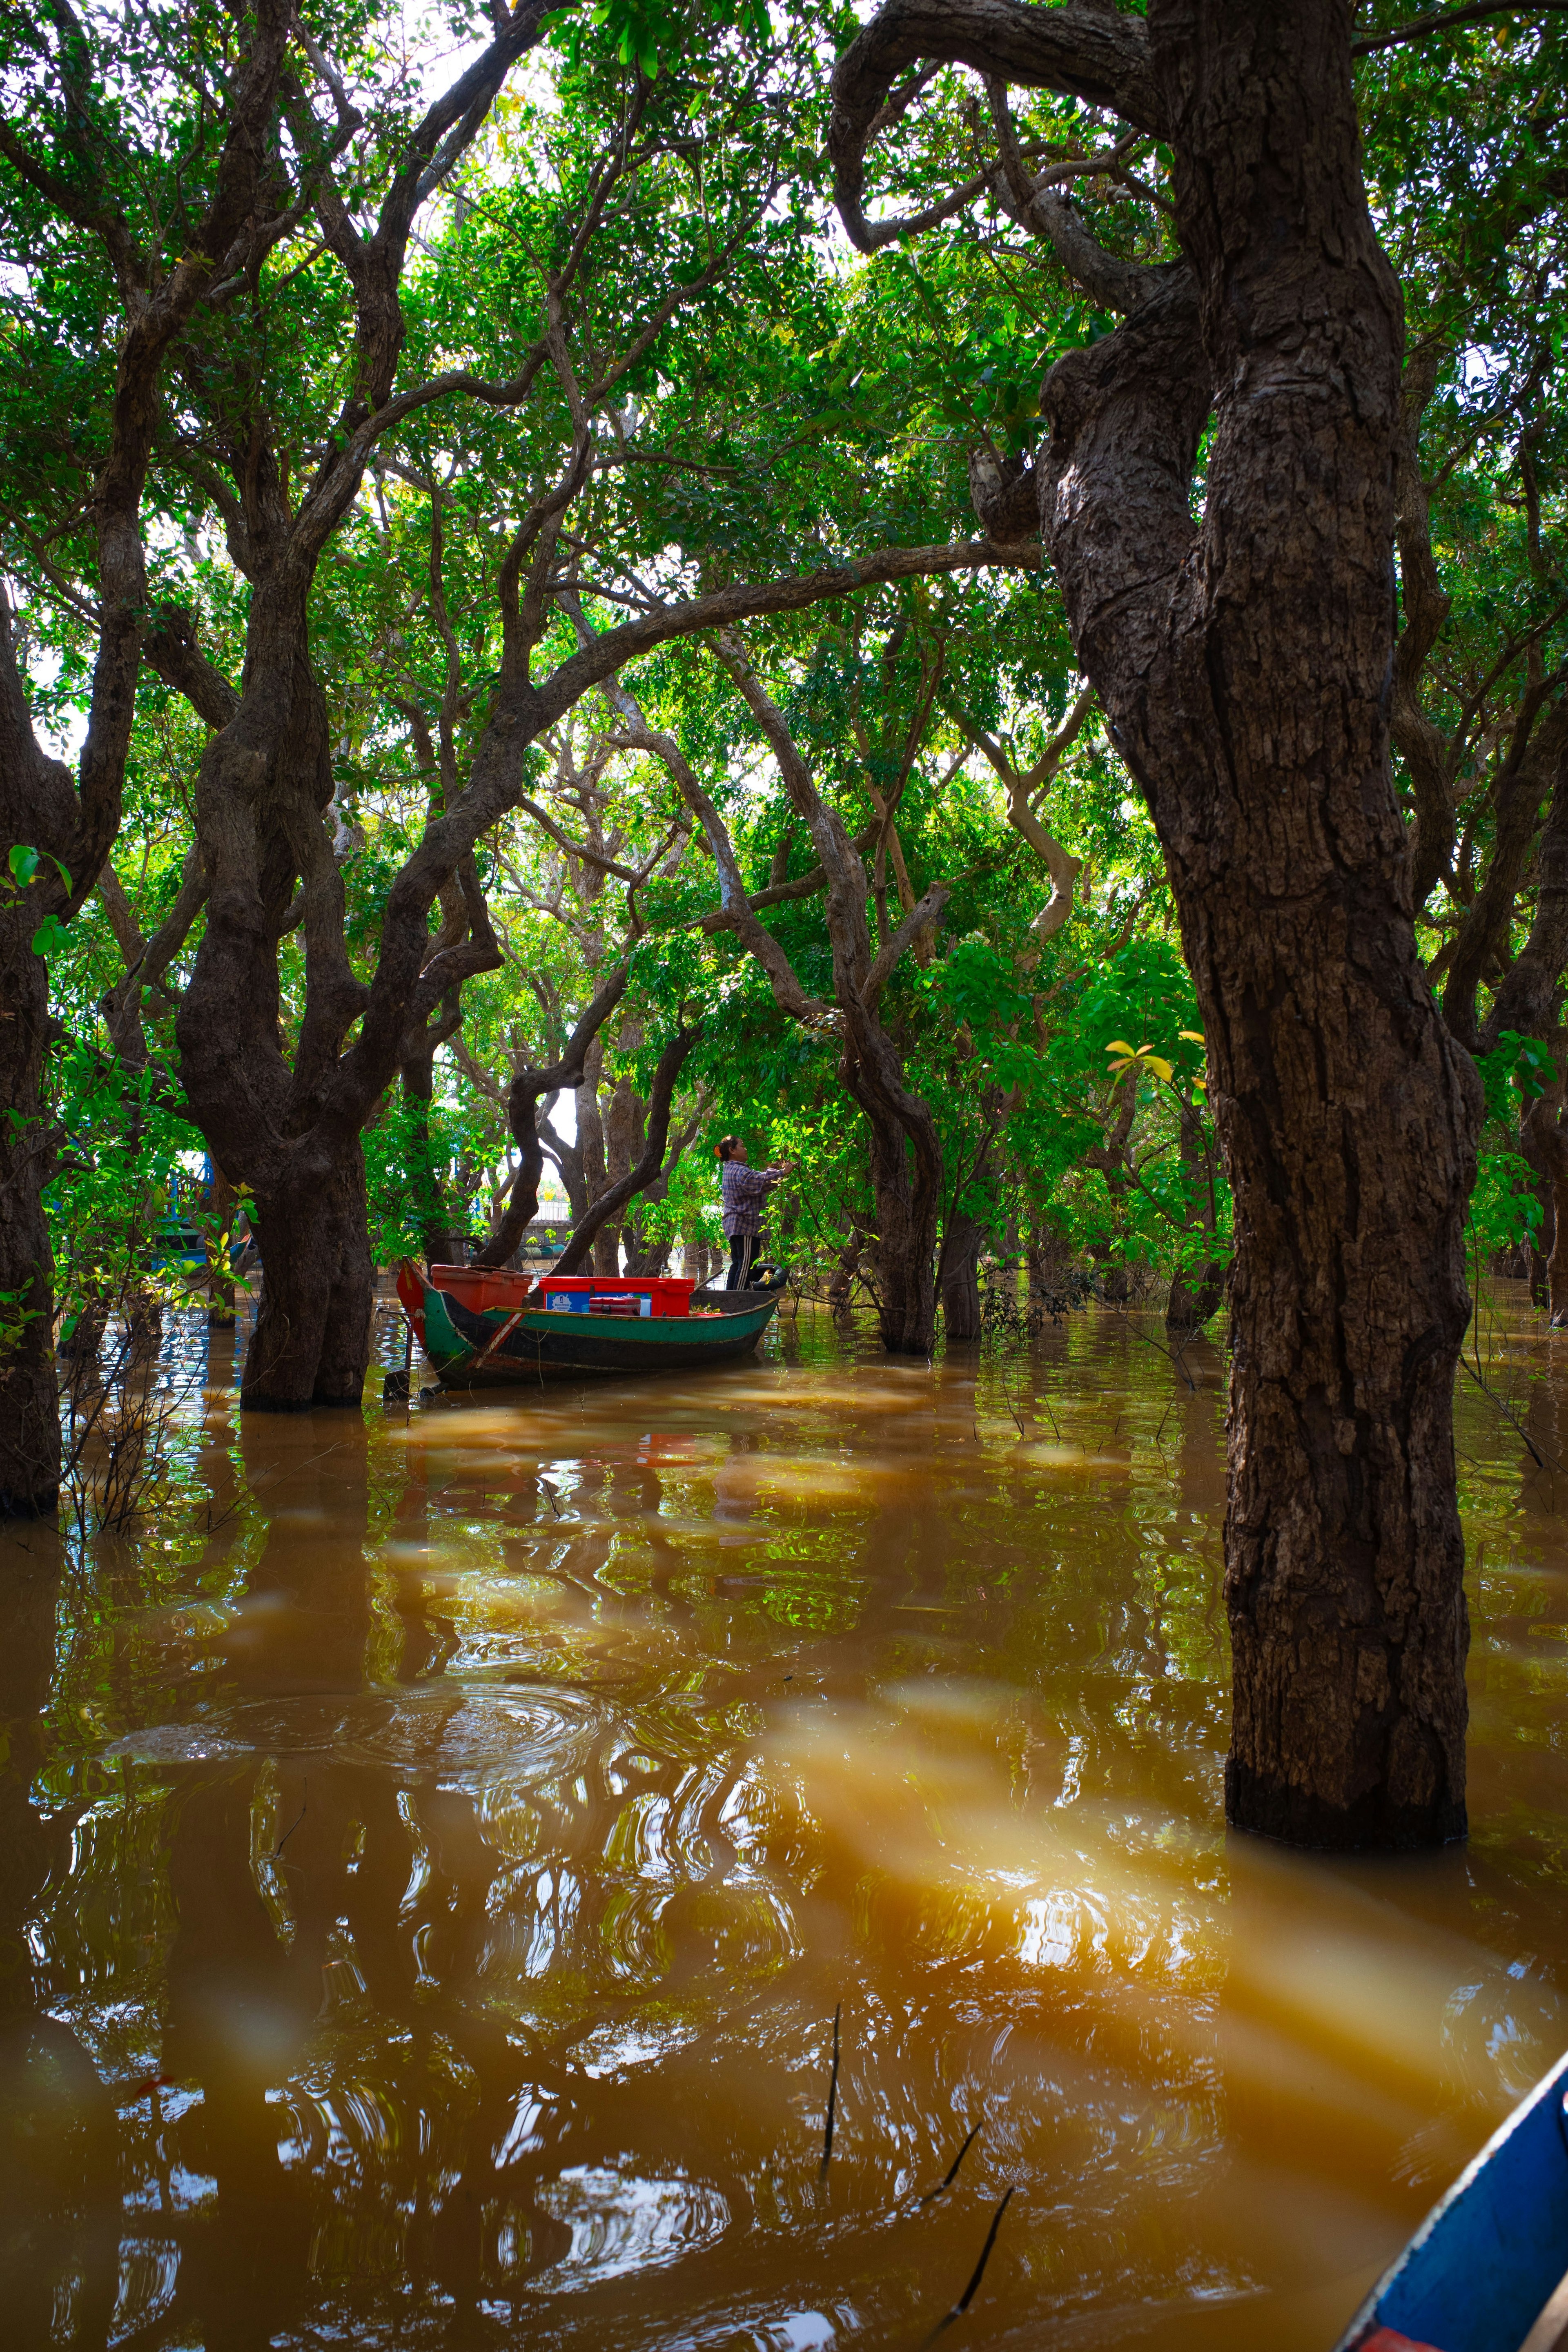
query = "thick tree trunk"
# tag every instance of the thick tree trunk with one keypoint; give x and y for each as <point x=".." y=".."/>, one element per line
<point x="959" y="1279"/>
<point x="591" y="1145"/>
<point x="1557" y="1264"/>
<point x="1245" y="671"/>
<point x="74" y="825"/>
<point x="29" y="1399"/>
<point x="644" y="1257"/>
<point x="311" y="1342"/>
<point x="694" y="1257"/>
<point x="908" y="1193"/>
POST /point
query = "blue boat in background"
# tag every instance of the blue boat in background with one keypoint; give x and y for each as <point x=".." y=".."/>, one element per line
<point x="1488" y="2269"/>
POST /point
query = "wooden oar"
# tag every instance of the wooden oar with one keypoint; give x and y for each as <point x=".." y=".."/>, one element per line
<point x="506" y="1330"/>
<point x="1549" y="2333"/>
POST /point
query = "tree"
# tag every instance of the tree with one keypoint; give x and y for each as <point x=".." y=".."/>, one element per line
<point x="314" y="369"/>
<point x="55" y="830"/>
<point x="905" y="1153"/>
<point x="1241" y="661"/>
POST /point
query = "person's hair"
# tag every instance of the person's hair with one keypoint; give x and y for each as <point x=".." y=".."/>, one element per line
<point x="727" y="1146"/>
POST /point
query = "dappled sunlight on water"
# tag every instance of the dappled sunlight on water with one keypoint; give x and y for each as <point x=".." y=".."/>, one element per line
<point x="427" y="1897"/>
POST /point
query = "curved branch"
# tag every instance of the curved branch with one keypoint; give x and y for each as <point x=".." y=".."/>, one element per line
<point x="1036" y="205"/>
<point x="734" y="906"/>
<point x="1024" y="787"/>
<point x="1090" y="53"/>
<point x="1453" y="20"/>
<point x="924" y="915"/>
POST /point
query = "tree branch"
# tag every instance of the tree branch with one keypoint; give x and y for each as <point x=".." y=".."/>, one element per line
<point x="527" y="1087"/>
<point x="612" y="1200"/>
<point x="1453" y="20"/>
<point x="1086" y="52"/>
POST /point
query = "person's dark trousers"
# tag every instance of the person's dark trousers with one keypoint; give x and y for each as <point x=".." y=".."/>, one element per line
<point x="742" y="1257"/>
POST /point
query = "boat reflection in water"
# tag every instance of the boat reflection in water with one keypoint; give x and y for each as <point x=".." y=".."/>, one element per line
<point x="435" y="1851"/>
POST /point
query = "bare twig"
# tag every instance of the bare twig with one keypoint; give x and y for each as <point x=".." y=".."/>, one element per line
<point x="304" y="1801"/>
<point x="952" y="2173"/>
<point x="968" y="2297"/>
<point x="832" y="2098"/>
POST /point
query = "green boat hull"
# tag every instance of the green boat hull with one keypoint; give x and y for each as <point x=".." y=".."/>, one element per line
<point x="473" y="1350"/>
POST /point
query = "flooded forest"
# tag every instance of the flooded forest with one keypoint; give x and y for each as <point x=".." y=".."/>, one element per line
<point x="783" y="1166"/>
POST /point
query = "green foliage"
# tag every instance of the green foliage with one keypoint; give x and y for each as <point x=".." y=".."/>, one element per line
<point x="1504" y="1211"/>
<point x="1515" y="1074"/>
<point x="397" y="1157"/>
<point x="795" y="407"/>
<point x="121" y="1173"/>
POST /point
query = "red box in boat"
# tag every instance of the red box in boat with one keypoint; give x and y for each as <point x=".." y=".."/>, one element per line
<point x="670" y="1293"/>
<point x="483" y="1288"/>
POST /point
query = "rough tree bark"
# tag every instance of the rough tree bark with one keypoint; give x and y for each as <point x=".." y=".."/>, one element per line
<point x="958" y="1278"/>
<point x="1244" y="667"/>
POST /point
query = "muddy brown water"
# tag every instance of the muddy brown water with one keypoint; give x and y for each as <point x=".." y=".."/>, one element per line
<point x="426" y="1891"/>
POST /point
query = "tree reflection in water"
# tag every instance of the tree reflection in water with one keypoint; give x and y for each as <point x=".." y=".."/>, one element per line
<point x="433" y="1854"/>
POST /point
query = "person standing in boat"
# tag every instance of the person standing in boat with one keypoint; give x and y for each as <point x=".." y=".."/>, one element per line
<point x="744" y="1191"/>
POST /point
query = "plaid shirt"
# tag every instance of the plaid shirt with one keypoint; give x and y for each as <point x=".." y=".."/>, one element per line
<point x="744" y="1191"/>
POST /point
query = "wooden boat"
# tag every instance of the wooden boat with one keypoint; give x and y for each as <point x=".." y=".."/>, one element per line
<point x="510" y="1337"/>
<point x="1488" y="2269"/>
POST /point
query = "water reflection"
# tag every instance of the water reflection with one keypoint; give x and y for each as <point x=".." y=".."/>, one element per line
<point x="433" y="1852"/>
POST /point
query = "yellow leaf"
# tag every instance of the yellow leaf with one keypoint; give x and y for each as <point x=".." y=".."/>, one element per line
<point x="1195" y="1037"/>
<point x="1119" y="1046"/>
<point x="1158" y="1062"/>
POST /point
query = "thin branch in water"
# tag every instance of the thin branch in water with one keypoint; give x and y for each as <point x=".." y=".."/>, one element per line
<point x="950" y="2174"/>
<point x="249" y="1493"/>
<point x="1512" y="1418"/>
<point x="304" y="1801"/>
<point x="832" y="2098"/>
<point x="1171" y="1356"/>
<point x="968" y="2297"/>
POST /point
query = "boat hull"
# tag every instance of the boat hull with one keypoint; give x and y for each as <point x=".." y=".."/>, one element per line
<point x="1485" y="2260"/>
<point x="471" y="1350"/>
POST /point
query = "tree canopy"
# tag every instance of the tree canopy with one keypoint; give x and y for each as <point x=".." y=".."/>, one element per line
<point x="499" y="513"/>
